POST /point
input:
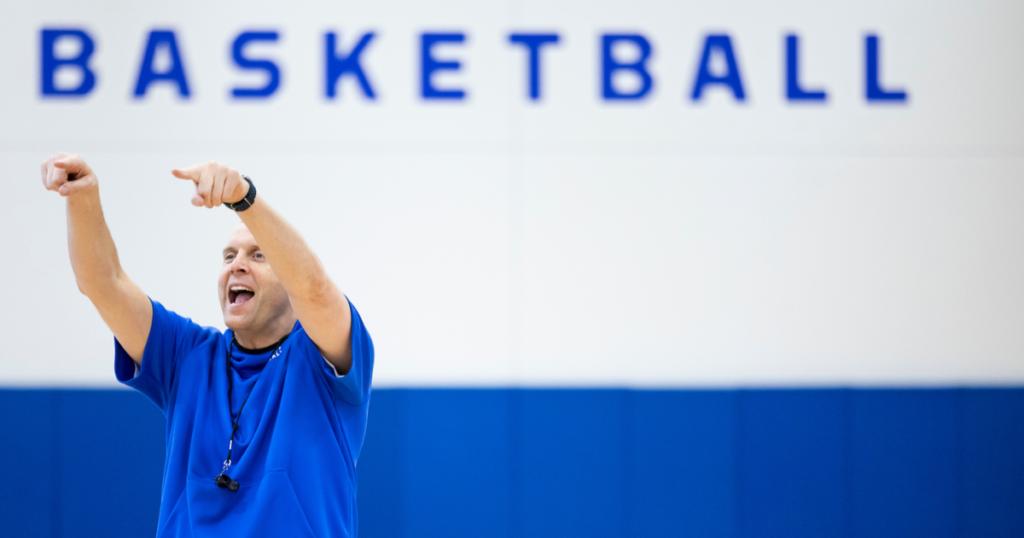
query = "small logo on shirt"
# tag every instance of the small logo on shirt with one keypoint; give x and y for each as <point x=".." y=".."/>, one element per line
<point x="277" y="352"/>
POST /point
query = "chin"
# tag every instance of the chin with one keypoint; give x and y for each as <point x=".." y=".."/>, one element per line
<point x="235" y="322"/>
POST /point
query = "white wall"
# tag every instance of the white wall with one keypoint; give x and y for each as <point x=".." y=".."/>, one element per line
<point x="570" y="241"/>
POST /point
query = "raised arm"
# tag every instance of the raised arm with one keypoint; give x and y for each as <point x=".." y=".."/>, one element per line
<point x="318" y="303"/>
<point x="121" y="303"/>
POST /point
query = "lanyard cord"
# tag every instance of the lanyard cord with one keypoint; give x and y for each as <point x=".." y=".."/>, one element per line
<point x="234" y="424"/>
<point x="231" y="385"/>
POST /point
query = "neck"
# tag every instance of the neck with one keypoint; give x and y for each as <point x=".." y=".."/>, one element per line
<point x="256" y="338"/>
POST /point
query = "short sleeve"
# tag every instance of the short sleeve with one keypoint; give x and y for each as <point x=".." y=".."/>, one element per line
<point x="353" y="387"/>
<point x="171" y="338"/>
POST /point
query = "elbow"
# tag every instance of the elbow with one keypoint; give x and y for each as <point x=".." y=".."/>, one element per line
<point x="85" y="287"/>
<point x="89" y="290"/>
<point x="319" y="292"/>
<point x="314" y="282"/>
<point x="93" y="287"/>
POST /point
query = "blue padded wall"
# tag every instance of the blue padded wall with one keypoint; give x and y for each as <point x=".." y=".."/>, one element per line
<point x="992" y="440"/>
<point x="547" y="463"/>
<point x="793" y="455"/>
<point x="79" y="463"/>
<point x="681" y="470"/>
<point x="906" y="464"/>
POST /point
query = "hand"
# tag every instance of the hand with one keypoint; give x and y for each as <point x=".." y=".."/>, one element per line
<point x="67" y="174"/>
<point x="215" y="184"/>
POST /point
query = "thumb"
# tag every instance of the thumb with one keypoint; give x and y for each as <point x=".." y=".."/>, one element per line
<point x="197" y="199"/>
<point x="74" y="187"/>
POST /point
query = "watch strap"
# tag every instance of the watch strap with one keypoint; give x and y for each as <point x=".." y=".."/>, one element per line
<point x="244" y="203"/>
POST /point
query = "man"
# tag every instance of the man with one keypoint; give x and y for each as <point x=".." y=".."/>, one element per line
<point x="264" y="421"/>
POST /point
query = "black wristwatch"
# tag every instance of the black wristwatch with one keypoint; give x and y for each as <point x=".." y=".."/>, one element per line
<point x="250" y="197"/>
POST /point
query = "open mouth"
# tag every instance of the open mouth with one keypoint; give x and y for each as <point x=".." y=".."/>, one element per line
<point x="239" y="294"/>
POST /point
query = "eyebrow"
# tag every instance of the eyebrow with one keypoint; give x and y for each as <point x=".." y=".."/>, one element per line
<point x="226" y="250"/>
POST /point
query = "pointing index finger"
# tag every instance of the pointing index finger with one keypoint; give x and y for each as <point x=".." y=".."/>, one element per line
<point x="192" y="173"/>
<point x="72" y="164"/>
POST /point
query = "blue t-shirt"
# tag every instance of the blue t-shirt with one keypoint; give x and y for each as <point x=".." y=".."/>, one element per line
<point x="298" y="437"/>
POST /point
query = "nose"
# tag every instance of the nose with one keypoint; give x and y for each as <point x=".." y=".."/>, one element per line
<point x="240" y="264"/>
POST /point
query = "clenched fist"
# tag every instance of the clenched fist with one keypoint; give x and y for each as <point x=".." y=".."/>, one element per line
<point x="215" y="184"/>
<point x="67" y="174"/>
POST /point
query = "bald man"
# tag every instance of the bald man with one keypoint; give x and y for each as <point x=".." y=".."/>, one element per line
<point x="265" y="420"/>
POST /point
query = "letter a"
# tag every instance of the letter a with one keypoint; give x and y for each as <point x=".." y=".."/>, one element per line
<point x="148" y="75"/>
<point x="730" y="79"/>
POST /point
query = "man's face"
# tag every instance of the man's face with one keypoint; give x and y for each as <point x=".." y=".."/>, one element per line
<point x="251" y="296"/>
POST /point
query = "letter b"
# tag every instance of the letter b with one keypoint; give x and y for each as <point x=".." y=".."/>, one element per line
<point x="51" y="63"/>
<point x="609" y="65"/>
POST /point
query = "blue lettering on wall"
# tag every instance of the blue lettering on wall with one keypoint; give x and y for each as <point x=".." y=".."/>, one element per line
<point x="339" y="64"/>
<point x="609" y="65"/>
<point x="174" y="74"/>
<point x="533" y="43"/>
<point x="793" y="90"/>
<point x="267" y="66"/>
<point x="162" y="63"/>
<point x="873" y="85"/>
<point x="51" y="63"/>
<point x="429" y="65"/>
<point x="730" y="79"/>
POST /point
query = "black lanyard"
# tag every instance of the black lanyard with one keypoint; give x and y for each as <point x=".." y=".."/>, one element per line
<point x="223" y="480"/>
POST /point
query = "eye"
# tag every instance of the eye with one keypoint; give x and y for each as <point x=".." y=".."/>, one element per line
<point x="258" y="256"/>
<point x="229" y="257"/>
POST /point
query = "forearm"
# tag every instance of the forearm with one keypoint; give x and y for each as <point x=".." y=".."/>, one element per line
<point x="120" y="302"/>
<point x="93" y="254"/>
<point x="294" y="262"/>
<point x="317" y="302"/>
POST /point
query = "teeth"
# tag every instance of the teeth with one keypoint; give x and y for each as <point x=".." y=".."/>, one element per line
<point x="241" y="288"/>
